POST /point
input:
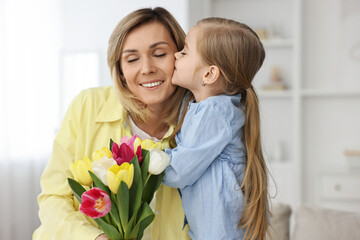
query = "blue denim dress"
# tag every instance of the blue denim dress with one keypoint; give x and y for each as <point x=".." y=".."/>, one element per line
<point x="208" y="165"/>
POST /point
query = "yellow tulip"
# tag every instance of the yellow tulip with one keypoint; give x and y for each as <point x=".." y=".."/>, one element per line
<point x="137" y="142"/>
<point x="146" y="144"/>
<point x="117" y="173"/>
<point x="99" y="154"/>
<point x="156" y="145"/>
<point x="80" y="171"/>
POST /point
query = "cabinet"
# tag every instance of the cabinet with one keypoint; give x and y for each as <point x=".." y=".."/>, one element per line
<point x="330" y="93"/>
<point x="336" y="190"/>
<point x="307" y="127"/>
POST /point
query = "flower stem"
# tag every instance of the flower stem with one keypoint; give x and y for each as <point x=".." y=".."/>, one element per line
<point x="116" y="220"/>
<point x="107" y="219"/>
<point x="147" y="179"/>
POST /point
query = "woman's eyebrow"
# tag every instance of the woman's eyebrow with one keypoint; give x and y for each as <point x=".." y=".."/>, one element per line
<point x="129" y="51"/>
<point x="151" y="46"/>
<point x="157" y="44"/>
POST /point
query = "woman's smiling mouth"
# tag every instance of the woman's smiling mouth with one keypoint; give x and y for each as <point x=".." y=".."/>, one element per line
<point x="152" y="84"/>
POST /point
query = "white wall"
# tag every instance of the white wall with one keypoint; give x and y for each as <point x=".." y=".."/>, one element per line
<point x="329" y="36"/>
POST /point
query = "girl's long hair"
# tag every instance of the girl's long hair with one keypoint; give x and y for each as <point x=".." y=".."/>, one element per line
<point x="237" y="51"/>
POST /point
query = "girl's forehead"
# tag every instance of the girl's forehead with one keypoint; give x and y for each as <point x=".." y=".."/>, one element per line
<point x="193" y="29"/>
<point x="192" y="35"/>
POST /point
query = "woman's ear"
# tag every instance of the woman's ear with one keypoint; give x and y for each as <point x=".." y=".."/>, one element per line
<point x="212" y="75"/>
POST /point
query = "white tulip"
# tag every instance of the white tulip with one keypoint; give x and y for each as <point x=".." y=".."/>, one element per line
<point x="100" y="168"/>
<point x="159" y="160"/>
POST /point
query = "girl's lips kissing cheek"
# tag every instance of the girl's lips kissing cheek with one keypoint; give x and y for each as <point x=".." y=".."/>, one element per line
<point x="152" y="84"/>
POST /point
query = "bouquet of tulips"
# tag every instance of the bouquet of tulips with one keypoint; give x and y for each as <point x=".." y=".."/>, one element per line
<point x="117" y="186"/>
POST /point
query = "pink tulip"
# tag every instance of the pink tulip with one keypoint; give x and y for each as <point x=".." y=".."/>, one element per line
<point x="125" y="152"/>
<point x="128" y="141"/>
<point x="95" y="203"/>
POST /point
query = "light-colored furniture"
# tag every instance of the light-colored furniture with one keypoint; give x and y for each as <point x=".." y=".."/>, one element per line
<point x="280" y="222"/>
<point x="314" y="223"/>
<point x="308" y="127"/>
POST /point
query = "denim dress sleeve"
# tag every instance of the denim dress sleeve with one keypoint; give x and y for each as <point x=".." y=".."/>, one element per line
<point x="204" y="134"/>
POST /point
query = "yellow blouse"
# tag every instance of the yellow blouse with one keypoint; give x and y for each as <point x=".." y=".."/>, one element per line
<point x="94" y="117"/>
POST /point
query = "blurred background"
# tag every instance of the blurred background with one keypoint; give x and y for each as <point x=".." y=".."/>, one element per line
<point x="309" y="88"/>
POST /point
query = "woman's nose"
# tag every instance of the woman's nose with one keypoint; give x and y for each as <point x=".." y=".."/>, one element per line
<point x="147" y="66"/>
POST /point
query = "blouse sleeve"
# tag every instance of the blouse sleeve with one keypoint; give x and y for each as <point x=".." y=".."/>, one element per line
<point x="204" y="137"/>
<point x="58" y="213"/>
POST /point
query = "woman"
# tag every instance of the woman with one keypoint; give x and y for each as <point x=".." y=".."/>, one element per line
<point x="143" y="102"/>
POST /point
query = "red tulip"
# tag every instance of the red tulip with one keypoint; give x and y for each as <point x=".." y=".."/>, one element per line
<point x="126" y="152"/>
<point x="95" y="203"/>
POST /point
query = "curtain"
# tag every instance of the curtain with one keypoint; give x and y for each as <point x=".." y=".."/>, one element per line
<point x="30" y="38"/>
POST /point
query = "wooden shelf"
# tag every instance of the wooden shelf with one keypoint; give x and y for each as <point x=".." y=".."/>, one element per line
<point x="275" y="93"/>
<point x="329" y="93"/>
<point x="309" y="93"/>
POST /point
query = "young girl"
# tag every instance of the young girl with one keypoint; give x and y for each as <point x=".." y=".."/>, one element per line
<point x="218" y="164"/>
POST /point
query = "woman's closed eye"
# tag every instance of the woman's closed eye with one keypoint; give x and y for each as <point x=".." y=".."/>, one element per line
<point x="132" y="60"/>
<point x="159" y="52"/>
<point x="160" y="55"/>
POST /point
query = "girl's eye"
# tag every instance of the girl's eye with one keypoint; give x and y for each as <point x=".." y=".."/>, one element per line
<point x="183" y="53"/>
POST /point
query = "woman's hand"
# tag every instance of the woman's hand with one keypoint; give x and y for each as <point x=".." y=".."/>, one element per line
<point x="102" y="237"/>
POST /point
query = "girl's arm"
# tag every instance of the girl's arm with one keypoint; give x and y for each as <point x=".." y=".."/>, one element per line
<point x="205" y="136"/>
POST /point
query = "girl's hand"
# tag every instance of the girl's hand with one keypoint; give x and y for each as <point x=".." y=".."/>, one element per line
<point x="102" y="237"/>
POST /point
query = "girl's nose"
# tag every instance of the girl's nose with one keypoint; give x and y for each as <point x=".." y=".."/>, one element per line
<point x="177" y="55"/>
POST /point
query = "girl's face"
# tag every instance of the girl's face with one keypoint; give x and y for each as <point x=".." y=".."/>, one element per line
<point x="147" y="62"/>
<point x="189" y="67"/>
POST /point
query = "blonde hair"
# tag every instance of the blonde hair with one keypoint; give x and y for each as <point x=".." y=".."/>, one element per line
<point x="237" y="51"/>
<point x="116" y="42"/>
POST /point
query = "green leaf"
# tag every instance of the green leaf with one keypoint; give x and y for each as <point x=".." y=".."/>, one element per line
<point x="146" y="217"/>
<point x="98" y="183"/>
<point x="111" y="143"/>
<point x="131" y="232"/>
<point x="111" y="232"/>
<point x="151" y="186"/>
<point x="145" y="166"/>
<point x="136" y="189"/>
<point x="76" y="188"/>
<point x="123" y="204"/>
<point x="144" y="153"/>
<point x="114" y="212"/>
